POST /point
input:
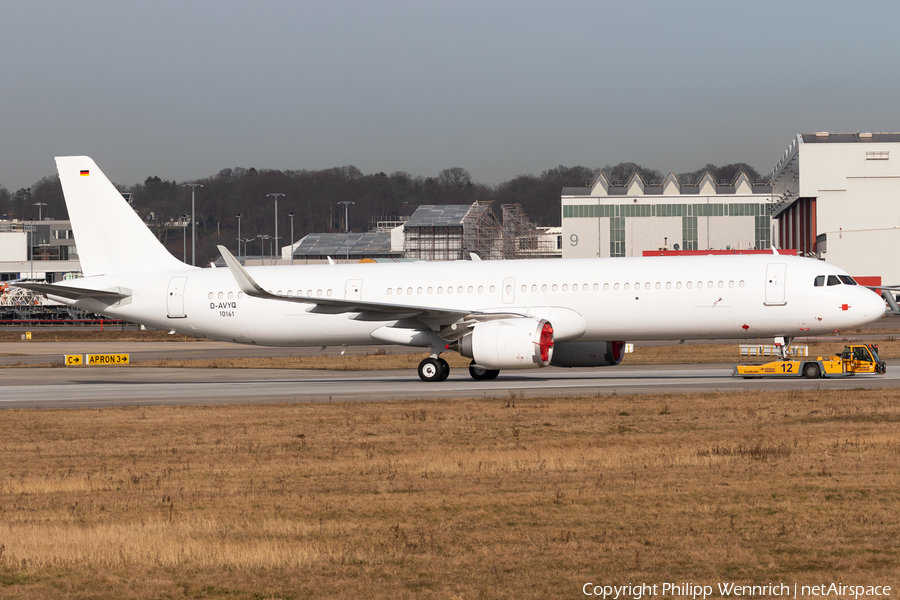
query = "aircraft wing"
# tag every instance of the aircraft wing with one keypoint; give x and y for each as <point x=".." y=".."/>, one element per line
<point x="377" y="311"/>
<point x="75" y="293"/>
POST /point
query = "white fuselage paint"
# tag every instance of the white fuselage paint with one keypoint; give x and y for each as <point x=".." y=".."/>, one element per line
<point x="698" y="297"/>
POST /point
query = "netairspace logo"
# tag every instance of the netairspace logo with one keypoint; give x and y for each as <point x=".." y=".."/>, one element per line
<point x="774" y="590"/>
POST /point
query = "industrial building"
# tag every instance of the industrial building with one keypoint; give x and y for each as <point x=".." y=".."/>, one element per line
<point x="837" y="196"/>
<point x="437" y="232"/>
<point x="37" y="250"/>
<point x="606" y="220"/>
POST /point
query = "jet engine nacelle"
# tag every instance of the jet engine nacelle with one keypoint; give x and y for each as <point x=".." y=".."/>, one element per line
<point x="588" y="354"/>
<point x="518" y="343"/>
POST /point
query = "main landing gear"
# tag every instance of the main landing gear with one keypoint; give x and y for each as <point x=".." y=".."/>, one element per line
<point x="482" y="374"/>
<point x="434" y="369"/>
<point x="437" y="369"/>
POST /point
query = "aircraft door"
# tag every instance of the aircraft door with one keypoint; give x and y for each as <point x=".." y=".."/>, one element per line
<point x="509" y="290"/>
<point x="175" y="298"/>
<point x="775" y="277"/>
<point x="353" y="289"/>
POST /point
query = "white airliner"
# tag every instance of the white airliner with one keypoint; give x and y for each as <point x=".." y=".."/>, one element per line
<point x="515" y="314"/>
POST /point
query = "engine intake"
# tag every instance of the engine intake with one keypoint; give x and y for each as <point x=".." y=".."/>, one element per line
<point x="518" y="343"/>
<point x="588" y="354"/>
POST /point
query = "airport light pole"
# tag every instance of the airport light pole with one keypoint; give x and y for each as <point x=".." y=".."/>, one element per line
<point x="246" y="240"/>
<point x="291" y="215"/>
<point x="193" y="187"/>
<point x="184" y="238"/>
<point x="276" y="196"/>
<point x="347" y="204"/>
<point x="239" y="215"/>
<point x="262" y="245"/>
<point x="40" y="205"/>
<point x="31" y="248"/>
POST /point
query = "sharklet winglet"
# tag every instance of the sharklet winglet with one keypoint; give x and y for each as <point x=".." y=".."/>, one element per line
<point x="247" y="284"/>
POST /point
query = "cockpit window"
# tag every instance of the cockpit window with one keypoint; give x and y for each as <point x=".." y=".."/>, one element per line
<point x="833" y="280"/>
<point x="847" y="279"/>
<point x="820" y="280"/>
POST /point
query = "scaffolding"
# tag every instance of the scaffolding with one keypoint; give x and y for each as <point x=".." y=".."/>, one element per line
<point x="521" y="239"/>
<point x="457" y="231"/>
<point x="482" y="232"/>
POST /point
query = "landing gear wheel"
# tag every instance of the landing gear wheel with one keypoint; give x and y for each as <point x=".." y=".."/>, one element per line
<point x="445" y="367"/>
<point x="431" y="369"/>
<point x="482" y="374"/>
<point x="811" y="371"/>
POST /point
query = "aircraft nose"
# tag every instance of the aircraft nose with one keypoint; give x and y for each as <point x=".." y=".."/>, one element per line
<point x="873" y="306"/>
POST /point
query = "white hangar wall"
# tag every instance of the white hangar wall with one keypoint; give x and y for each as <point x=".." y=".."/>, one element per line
<point x="837" y="197"/>
<point x="607" y="220"/>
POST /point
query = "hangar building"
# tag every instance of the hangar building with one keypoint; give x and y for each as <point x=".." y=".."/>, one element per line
<point x="626" y="220"/>
<point x="837" y="196"/>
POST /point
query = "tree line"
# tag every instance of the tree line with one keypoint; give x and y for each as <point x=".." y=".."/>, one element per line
<point x="313" y="197"/>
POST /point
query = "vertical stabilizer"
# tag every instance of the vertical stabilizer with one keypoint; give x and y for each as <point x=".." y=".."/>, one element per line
<point x="110" y="236"/>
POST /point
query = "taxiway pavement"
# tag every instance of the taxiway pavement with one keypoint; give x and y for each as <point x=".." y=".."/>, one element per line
<point x="77" y="387"/>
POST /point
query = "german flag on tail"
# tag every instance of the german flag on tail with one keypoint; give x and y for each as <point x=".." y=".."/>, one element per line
<point x="85" y="172"/>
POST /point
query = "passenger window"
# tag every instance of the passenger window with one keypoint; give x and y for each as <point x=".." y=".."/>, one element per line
<point x="820" y="281"/>
<point x="833" y="280"/>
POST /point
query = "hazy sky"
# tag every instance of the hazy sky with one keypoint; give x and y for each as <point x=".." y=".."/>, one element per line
<point x="181" y="89"/>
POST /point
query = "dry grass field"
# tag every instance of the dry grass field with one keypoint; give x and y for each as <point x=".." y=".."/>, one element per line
<point x="450" y="499"/>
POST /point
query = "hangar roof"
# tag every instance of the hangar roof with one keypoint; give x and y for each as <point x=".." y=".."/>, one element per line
<point x="370" y="243"/>
<point x="863" y="137"/>
<point x="443" y="215"/>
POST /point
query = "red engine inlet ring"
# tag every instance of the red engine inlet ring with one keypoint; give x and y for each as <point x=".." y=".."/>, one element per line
<point x="546" y="342"/>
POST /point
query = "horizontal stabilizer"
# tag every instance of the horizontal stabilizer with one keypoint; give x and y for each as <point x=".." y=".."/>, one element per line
<point x="75" y="293"/>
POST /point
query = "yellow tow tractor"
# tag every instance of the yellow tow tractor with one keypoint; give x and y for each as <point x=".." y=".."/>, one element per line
<point x="856" y="358"/>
